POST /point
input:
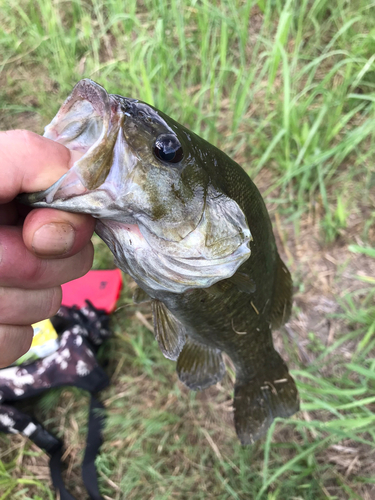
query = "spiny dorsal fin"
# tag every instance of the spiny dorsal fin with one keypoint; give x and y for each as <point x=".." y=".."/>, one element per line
<point x="168" y="331"/>
<point x="199" y="366"/>
<point x="140" y="296"/>
<point x="282" y="298"/>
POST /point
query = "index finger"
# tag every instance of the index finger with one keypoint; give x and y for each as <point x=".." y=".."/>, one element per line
<point x="29" y="162"/>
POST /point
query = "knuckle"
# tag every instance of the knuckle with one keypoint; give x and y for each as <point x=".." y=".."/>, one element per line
<point x="54" y="301"/>
<point x="27" y="137"/>
<point x="14" y="342"/>
<point x="3" y="303"/>
<point x="27" y="338"/>
<point x="24" y="306"/>
<point x="86" y="259"/>
<point x="34" y="271"/>
<point x="42" y="304"/>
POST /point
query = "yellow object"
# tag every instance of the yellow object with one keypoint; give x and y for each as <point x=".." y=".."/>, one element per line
<point x="43" y="332"/>
<point x="45" y="342"/>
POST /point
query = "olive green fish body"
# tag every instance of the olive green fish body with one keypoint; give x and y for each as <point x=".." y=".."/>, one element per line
<point x="239" y="322"/>
<point x="191" y="228"/>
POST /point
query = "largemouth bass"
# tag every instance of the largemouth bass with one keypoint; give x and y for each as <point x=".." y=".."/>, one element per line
<point x="191" y="228"/>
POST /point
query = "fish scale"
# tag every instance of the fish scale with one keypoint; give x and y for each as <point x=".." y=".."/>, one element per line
<point x="191" y="228"/>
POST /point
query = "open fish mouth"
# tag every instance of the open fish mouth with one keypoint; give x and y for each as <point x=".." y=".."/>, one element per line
<point x="164" y="233"/>
<point x="87" y="122"/>
<point x="83" y="119"/>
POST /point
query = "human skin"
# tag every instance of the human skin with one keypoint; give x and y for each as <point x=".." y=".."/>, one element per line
<point x="40" y="252"/>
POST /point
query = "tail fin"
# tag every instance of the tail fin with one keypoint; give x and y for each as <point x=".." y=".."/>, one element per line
<point x="257" y="401"/>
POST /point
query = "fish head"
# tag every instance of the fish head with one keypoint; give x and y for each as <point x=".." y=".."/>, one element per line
<point x="133" y="165"/>
<point x="143" y="176"/>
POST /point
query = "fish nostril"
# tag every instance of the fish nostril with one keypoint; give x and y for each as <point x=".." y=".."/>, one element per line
<point x="126" y="104"/>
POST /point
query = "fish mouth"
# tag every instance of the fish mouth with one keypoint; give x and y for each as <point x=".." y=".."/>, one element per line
<point x="83" y="119"/>
<point x="87" y="122"/>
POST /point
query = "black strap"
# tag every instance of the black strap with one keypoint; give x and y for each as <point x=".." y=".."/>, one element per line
<point x="57" y="480"/>
<point x="96" y="325"/>
<point x="23" y="423"/>
<point x="54" y="447"/>
<point x="93" y="442"/>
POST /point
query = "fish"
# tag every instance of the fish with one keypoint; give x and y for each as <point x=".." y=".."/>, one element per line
<point x="188" y="224"/>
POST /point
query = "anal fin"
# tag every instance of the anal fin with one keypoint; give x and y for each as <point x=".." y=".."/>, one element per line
<point x="168" y="331"/>
<point x="199" y="366"/>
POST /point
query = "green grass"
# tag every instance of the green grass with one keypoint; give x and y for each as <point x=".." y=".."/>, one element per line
<point x="287" y="88"/>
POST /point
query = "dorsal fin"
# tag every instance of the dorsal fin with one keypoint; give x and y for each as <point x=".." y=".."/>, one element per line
<point x="282" y="297"/>
<point x="168" y="331"/>
<point x="199" y="366"/>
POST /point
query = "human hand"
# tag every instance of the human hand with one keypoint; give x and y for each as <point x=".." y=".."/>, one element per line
<point x="40" y="252"/>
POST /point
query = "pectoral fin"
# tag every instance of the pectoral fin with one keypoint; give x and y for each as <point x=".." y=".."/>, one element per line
<point x="169" y="332"/>
<point x="199" y="366"/>
<point x="217" y="289"/>
<point x="140" y="296"/>
<point x="243" y="282"/>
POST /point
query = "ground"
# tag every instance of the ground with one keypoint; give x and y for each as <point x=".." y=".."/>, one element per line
<point x="286" y="88"/>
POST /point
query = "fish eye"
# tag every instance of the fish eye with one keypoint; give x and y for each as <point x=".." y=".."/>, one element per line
<point x="168" y="148"/>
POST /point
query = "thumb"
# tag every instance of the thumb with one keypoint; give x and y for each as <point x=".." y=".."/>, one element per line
<point x="29" y="162"/>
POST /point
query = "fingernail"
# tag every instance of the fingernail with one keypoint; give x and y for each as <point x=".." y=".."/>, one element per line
<point x="53" y="239"/>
